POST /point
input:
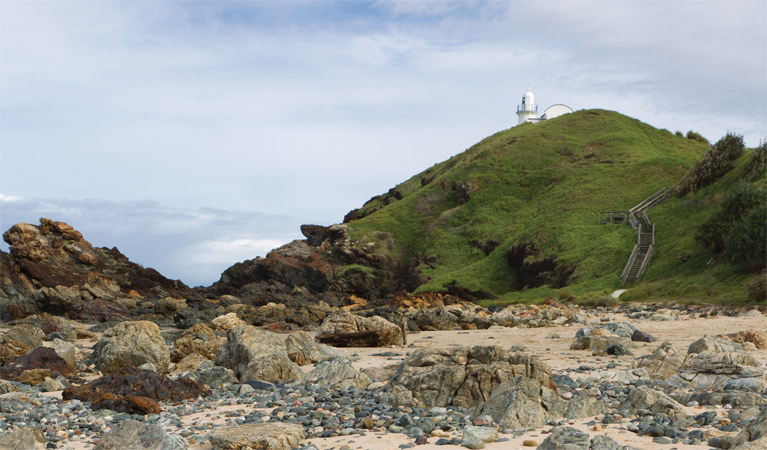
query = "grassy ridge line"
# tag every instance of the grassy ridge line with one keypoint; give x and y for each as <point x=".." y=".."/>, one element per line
<point x="542" y="183"/>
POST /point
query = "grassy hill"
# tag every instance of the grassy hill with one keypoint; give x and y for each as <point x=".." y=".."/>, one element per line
<point x="538" y="189"/>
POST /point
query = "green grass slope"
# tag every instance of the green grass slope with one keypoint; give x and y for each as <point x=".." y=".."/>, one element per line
<point x="541" y="184"/>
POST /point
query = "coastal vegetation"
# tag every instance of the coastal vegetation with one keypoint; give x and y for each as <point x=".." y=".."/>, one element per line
<point x="514" y="218"/>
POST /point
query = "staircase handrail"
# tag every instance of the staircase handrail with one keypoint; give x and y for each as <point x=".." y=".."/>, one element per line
<point x="645" y="261"/>
<point x="630" y="262"/>
<point x="633" y="220"/>
<point x="650" y="201"/>
<point x="607" y="216"/>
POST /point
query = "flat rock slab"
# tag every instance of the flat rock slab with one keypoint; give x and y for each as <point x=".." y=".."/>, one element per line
<point x="258" y="436"/>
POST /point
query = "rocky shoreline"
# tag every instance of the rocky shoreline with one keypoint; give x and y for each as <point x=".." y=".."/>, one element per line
<point x="596" y="379"/>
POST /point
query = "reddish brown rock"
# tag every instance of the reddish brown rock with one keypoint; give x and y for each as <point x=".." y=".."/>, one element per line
<point x="279" y="327"/>
<point x="52" y="268"/>
<point x="131" y="404"/>
<point x="758" y="338"/>
<point x="98" y="310"/>
<point x="39" y="358"/>
<point x="132" y="382"/>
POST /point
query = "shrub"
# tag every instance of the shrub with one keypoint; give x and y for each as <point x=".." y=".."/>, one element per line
<point x="713" y="165"/>
<point x="737" y="203"/>
<point x="757" y="288"/>
<point x="756" y="167"/>
<point x="746" y="243"/>
<point x="696" y="136"/>
<point x="679" y="133"/>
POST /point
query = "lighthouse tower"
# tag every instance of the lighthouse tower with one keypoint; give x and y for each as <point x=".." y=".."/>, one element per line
<point x="528" y="109"/>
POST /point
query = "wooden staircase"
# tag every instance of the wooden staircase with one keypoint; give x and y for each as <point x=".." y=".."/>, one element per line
<point x="638" y="219"/>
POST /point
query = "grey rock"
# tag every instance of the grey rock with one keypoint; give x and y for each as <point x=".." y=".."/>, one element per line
<point x="27" y="438"/>
<point x="565" y="438"/>
<point x="714" y="344"/>
<point x="302" y="349"/>
<point x="583" y="405"/>
<point x="256" y="354"/>
<point x="134" y="435"/>
<point x="523" y="402"/>
<point x="260" y="436"/>
<point x="755" y="431"/>
<point x="484" y="434"/>
<point x="29" y="335"/>
<point x="622" y="329"/>
<point x="603" y="442"/>
<point x="198" y="339"/>
<point x="461" y="376"/>
<point x="67" y="351"/>
<point x="644" y="397"/>
<point x="337" y="372"/>
<point x="132" y="343"/>
<point x="52" y="385"/>
<point x="641" y="336"/>
<point x="708" y="370"/>
<point x="599" y="343"/>
<point x="617" y="349"/>
<point x="664" y="362"/>
<point x="348" y="324"/>
<point x="215" y="375"/>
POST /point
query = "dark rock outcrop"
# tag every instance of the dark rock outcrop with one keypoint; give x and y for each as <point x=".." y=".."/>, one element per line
<point x="52" y="268"/>
<point x="534" y="270"/>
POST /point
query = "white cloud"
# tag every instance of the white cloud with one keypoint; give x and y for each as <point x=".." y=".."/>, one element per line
<point x="194" y="245"/>
<point x="4" y="198"/>
<point x="309" y="109"/>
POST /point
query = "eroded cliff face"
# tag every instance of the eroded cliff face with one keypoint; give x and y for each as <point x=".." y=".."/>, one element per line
<point x="52" y="268"/>
<point x="327" y="265"/>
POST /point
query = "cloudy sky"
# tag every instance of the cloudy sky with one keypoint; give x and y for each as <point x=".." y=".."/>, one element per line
<point x="192" y="135"/>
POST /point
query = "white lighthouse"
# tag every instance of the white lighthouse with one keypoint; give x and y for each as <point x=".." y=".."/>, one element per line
<point x="528" y="109"/>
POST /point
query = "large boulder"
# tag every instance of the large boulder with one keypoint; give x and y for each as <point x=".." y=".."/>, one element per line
<point x="9" y="348"/>
<point x="27" y="438"/>
<point x="350" y="330"/>
<point x="256" y="354"/>
<point x="600" y="343"/>
<point x="523" y="402"/>
<point x="728" y="370"/>
<point x="664" y="362"/>
<point x="566" y="438"/>
<point x="44" y="360"/>
<point x="461" y="376"/>
<point x="226" y="322"/>
<point x="622" y="329"/>
<point x="644" y="397"/>
<point x="26" y="334"/>
<point x="755" y="431"/>
<point x="58" y="327"/>
<point x="132" y="344"/>
<point x="337" y="372"/>
<point x="258" y="436"/>
<point x="714" y="344"/>
<point x="67" y="350"/>
<point x="302" y="349"/>
<point x="134" y="435"/>
<point x="198" y="339"/>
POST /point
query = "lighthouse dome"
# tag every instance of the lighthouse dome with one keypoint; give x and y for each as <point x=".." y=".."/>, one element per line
<point x="529" y="98"/>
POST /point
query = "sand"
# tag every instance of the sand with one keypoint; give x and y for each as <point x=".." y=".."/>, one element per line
<point x="551" y="344"/>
